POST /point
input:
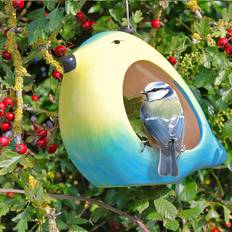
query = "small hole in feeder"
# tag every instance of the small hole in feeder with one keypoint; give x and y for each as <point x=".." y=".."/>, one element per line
<point x="138" y="75"/>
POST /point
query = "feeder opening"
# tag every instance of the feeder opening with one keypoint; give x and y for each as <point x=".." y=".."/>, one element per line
<point x="138" y="75"/>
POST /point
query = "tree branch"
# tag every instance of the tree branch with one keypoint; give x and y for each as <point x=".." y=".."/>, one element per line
<point x="135" y="219"/>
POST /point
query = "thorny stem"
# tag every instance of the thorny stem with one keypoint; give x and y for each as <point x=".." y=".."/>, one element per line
<point x="133" y="219"/>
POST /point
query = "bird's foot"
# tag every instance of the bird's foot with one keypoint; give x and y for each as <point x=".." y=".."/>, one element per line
<point x="143" y="146"/>
<point x="183" y="149"/>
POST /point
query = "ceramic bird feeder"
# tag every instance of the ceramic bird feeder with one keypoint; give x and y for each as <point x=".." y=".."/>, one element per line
<point x="94" y="125"/>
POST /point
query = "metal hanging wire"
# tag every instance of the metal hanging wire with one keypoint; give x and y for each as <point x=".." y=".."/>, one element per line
<point x="128" y="16"/>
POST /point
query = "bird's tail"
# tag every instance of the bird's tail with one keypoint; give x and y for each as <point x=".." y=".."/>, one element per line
<point x="167" y="162"/>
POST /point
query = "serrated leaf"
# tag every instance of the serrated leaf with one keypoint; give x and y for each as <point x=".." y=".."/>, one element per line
<point x="8" y="162"/>
<point x="9" y="79"/>
<point x="165" y="208"/>
<point x="4" y="208"/>
<point x="55" y="19"/>
<point x="22" y="220"/>
<point x="50" y="5"/>
<point x="187" y="191"/>
<point x="172" y="225"/>
<point x="137" y="16"/>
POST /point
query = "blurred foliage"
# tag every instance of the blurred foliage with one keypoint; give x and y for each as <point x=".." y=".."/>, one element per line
<point x="200" y="203"/>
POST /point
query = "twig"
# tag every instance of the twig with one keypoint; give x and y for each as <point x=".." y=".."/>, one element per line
<point x="135" y="219"/>
<point x="218" y="183"/>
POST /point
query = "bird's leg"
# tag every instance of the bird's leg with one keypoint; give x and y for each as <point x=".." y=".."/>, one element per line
<point x="143" y="145"/>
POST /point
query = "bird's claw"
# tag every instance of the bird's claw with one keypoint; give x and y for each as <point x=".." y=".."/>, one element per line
<point x="183" y="149"/>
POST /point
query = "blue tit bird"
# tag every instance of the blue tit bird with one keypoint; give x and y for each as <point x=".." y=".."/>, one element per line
<point x="163" y="119"/>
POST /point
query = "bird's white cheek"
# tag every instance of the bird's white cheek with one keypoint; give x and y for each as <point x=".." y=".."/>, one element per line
<point x="157" y="95"/>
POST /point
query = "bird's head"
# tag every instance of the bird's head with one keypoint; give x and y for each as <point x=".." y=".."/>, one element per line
<point x="157" y="90"/>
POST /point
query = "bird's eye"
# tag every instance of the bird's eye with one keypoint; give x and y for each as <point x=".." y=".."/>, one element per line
<point x="68" y="62"/>
<point x="116" y="42"/>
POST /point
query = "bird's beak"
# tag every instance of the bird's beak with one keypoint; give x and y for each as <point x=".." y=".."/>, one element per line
<point x="142" y="92"/>
<point x="68" y="62"/>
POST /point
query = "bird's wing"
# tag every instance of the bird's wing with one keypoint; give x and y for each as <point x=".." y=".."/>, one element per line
<point x="176" y="126"/>
<point x="158" y="129"/>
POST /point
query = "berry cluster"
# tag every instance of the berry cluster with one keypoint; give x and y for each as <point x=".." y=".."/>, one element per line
<point x="224" y="43"/>
<point x="6" y="118"/>
<point x="85" y="23"/>
<point x="42" y="140"/>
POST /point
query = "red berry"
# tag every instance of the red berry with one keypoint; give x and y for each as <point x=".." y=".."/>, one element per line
<point x="155" y="23"/>
<point x="4" y="141"/>
<point x="222" y="42"/>
<point x="8" y="102"/>
<point x="87" y="25"/>
<point x="229" y="33"/>
<point x="6" y="55"/>
<point x="52" y="148"/>
<point x="215" y="230"/>
<point x="228" y="50"/>
<point x="228" y="224"/>
<point x="41" y="133"/>
<point x="2" y="109"/>
<point x="172" y="60"/>
<point x="114" y="226"/>
<point x="80" y="16"/>
<point x="5" y="126"/>
<point x="60" y="50"/>
<point x="34" y="97"/>
<point x="10" y="116"/>
<point x="42" y="142"/>
<point x="56" y="74"/>
<point x="10" y="194"/>
<point x="18" y="4"/>
<point x="21" y="148"/>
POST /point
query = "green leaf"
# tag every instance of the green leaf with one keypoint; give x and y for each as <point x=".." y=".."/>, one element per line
<point x="22" y="220"/>
<point x="188" y="191"/>
<point x="94" y="9"/>
<point x="4" y="208"/>
<point x="71" y="6"/>
<point x="9" y="79"/>
<point x="165" y="208"/>
<point x="202" y="27"/>
<point x="190" y="213"/>
<point x="55" y="19"/>
<point x="50" y="5"/>
<point x="227" y="214"/>
<point x="117" y="13"/>
<point x="212" y="214"/>
<point x="137" y="16"/>
<point x="171" y="225"/>
<point x="154" y="216"/>
<point x="204" y="78"/>
<point x="227" y="13"/>
<point x="141" y="205"/>
<point x="76" y="228"/>
<point x="228" y="128"/>
<point x="8" y="162"/>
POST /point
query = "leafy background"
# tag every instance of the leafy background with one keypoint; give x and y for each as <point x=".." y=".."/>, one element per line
<point x="200" y="203"/>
